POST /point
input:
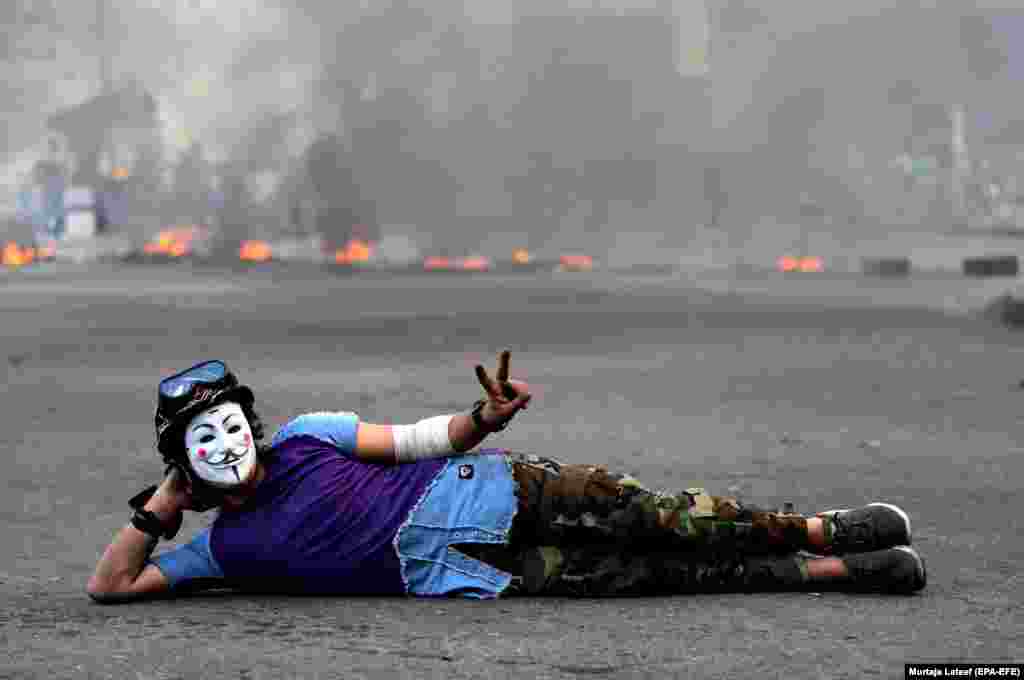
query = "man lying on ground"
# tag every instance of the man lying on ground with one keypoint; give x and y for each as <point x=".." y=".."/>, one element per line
<point x="338" y="506"/>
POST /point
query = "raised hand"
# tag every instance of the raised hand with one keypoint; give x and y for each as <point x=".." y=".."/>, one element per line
<point x="505" y="397"/>
<point x="174" y="493"/>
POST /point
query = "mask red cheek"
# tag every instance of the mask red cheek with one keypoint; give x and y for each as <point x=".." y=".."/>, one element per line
<point x="248" y="439"/>
<point x="202" y="453"/>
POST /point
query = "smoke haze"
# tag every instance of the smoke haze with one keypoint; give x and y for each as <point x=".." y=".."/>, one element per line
<point x="630" y="129"/>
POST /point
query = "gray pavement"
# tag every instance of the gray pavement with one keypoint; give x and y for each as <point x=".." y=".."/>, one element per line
<point x="785" y="389"/>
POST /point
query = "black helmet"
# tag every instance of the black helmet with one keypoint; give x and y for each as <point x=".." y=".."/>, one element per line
<point x="183" y="395"/>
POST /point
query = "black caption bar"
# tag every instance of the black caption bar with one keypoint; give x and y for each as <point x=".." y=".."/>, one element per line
<point x="963" y="670"/>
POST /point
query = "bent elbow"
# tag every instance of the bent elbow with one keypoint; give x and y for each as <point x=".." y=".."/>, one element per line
<point x="99" y="598"/>
<point x="104" y="595"/>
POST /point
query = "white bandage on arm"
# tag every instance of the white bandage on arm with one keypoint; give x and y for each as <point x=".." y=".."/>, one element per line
<point x="426" y="439"/>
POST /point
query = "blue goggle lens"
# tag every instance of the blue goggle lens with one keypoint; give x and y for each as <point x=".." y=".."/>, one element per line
<point x="203" y="374"/>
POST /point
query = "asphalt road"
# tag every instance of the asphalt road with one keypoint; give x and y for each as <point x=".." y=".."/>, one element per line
<point x="778" y="390"/>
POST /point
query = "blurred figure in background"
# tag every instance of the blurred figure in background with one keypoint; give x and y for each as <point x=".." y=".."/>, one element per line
<point x="50" y="180"/>
<point x="339" y="205"/>
<point x="232" y="207"/>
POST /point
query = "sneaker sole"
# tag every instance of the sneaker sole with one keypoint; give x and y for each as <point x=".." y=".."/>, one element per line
<point x="900" y="582"/>
<point x="899" y="511"/>
<point x="922" y="573"/>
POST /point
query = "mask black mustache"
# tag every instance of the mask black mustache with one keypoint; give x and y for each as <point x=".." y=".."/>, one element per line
<point x="232" y="456"/>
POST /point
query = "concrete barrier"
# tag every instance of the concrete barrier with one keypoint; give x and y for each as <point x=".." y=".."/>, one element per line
<point x="1007" y="310"/>
<point x="886" y="266"/>
<point x="991" y="265"/>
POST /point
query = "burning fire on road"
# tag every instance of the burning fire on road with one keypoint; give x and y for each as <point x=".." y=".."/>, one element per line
<point x="14" y="255"/>
<point x="806" y="264"/>
<point x="255" y="251"/>
<point x="174" y="242"/>
<point x="355" y="251"/>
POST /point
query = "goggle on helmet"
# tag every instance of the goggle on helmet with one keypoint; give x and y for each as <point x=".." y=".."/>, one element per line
<point x="183" y="395"/>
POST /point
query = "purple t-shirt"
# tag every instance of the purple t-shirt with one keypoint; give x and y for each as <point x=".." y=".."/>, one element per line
<point x="320" y="522"/>
<point x="323" y="521"/>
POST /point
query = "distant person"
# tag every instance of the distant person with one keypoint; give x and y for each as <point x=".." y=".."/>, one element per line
<point x="334" y="505"/>
<point x="50" y="178"/>
<point x="113" y="202"/>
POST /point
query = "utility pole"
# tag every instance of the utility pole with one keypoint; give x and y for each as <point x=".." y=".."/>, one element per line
<point x="961" y="166"/>
<point x="103" y="160"/>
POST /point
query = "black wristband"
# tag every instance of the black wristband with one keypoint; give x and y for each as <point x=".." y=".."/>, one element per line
<point x="478" y="419"/>
<point x="141" y="498"/>
<point x="148" y="523"/>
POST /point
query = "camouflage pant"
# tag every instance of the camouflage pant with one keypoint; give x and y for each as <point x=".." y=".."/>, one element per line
<point x="563" y="504"/>
<point x="602" y="571"/>
<point x="599" y="532"/>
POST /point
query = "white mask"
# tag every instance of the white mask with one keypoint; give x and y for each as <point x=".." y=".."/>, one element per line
<point x="220" y="445"/>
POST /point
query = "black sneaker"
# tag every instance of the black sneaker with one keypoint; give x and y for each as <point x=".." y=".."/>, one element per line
<point x="895" y="570"/>
<point x="874" y="527"/>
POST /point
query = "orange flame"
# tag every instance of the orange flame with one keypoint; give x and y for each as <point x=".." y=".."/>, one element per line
<point x="811" y="264"/>
<point x="521" y="256"/>
<point x="356" y="250"/>
<point x="436" y="262"/>
<point x="255" y="251"/>
<point x="576" y="262"/>
<point x="15" y="256"/>
<point x="175" y="242"/>
<point x="475" y="263"/>
<point x="787" y="263"/>
<point x="807" y="264"/>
